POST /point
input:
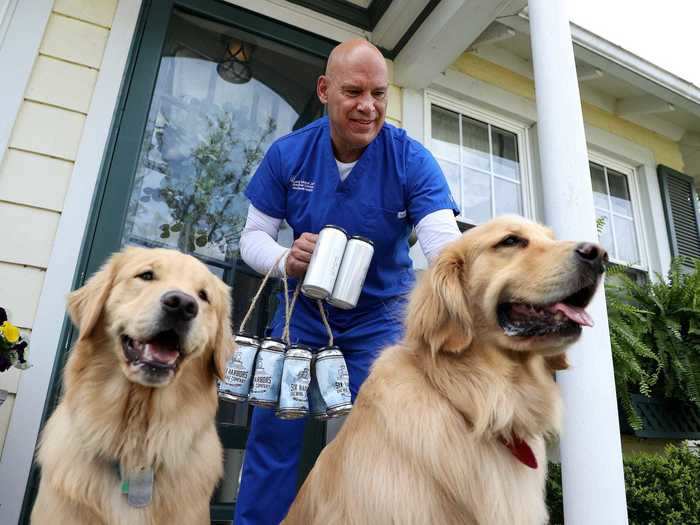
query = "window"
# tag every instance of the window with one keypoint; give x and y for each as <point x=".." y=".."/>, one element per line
<point x="618" y="227"/>
<point x="481" y="161"/>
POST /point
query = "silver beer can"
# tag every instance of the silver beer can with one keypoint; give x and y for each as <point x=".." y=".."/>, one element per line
<point x="265" y="390"/>
<point x="333" y="381"/>
<point x="325" y="263"/>
<point x="317" y="406"/>
<point x="296" y="376"/>
<point x="239" y="369"/>
<point x="353" y="271"/>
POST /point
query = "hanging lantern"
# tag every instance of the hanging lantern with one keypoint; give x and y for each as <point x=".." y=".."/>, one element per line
<point x="235" y="67"/>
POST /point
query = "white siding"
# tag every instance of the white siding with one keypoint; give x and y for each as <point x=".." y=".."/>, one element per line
<point x="34" y="180"/>
<point x="34" y="229"/>
<point x="38" y="164"/>
<point x="98" y="12"/>
<point x="20" y="287"/>
<point x="75" y="41"/>
<point x="61" y="84"/>
<point x="48" y="130"/>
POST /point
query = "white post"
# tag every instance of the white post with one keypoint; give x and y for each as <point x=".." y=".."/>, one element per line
<point x="592" y="474"/>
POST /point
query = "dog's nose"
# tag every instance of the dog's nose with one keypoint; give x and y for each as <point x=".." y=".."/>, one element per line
<point x="592" y="255"/>
<point x="179" y="305"/>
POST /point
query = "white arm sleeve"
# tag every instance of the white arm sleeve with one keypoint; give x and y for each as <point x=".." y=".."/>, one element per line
<point x="435" y="230"/>
<point x="259" y="247"/>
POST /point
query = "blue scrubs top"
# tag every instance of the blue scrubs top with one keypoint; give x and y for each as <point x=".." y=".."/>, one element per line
<point x="395" y="183"/>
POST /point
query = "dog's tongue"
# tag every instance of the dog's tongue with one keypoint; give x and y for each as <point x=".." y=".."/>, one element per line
<point x="160" y="353"/>
<point x="577" y="314"/>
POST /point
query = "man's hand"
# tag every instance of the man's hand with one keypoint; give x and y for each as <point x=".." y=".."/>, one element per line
<point x="300" y="255"/>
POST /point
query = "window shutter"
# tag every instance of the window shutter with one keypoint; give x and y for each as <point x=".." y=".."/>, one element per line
<point x="678" y="194"/>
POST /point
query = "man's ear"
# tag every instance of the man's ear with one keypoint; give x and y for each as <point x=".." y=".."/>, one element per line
<point x="223" y="341"/>
<point x="322" y="89"/>
<point x="85" y="304"/>
<point x="438" y="313"/>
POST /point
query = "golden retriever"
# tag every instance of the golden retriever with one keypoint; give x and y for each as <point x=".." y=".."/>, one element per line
<point x="450" y="426"/>
<point x="139" y="395"/>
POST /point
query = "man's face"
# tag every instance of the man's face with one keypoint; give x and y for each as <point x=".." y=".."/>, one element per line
<point x="355" y="93"/>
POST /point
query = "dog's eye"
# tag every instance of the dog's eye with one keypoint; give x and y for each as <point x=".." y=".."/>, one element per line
<point x="146" y="276"/>
<point x="513" y="240"/>
<point x="203" y="296"/>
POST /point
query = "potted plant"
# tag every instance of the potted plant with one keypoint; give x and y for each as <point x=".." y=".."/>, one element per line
<point x="655" y="340"/>
<point x="13" y="348"/>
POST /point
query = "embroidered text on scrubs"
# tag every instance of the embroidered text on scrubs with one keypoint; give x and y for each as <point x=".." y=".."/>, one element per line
<point x="303" y="185"/>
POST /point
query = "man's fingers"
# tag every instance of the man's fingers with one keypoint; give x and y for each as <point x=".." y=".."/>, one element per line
<point x="300" y="254"/>
<point x="302" y="257"/>
<point x="306" y="245"/>
<point x="296" y="268"/>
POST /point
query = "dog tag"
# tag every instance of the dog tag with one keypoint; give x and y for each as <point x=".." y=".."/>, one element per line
<point x="138" y="488"/>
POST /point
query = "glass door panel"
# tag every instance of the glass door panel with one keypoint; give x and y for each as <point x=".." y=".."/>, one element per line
<point x="222" y="96"/>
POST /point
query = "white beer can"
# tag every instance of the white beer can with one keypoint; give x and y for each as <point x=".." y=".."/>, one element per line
<point x="325" y="262"/>
<point x="352" y="273"/>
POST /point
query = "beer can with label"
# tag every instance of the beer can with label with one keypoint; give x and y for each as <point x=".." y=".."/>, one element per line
<point x="317" y="406"/>
<point x="333" y="381"/>
<point x="325" y="262"/>
<point x="353" y="271"/>
<point x="296" y="376"/>
<point x="239" y="369"/>
<point x="265" y="390"/>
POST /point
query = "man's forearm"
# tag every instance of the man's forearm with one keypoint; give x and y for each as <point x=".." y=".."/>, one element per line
<point x="259" y="247"/>
<point x="435" y="230"/>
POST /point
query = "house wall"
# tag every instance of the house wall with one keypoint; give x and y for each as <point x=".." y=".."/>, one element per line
<point x="665" y="150"/>
<point x="632" y="445"/>
<point x="394" y="105"/>
<point x="39" y="161"/>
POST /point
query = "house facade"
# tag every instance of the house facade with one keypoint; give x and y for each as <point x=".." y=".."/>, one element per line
<point x="114" y="112"/>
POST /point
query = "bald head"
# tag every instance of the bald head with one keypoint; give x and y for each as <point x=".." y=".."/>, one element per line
<point x="355" y="91"/>
<point x="357" y="50"/>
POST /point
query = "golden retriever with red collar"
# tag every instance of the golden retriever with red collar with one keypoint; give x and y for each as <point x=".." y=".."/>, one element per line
<point x="133" y="440"/>
<point x="450" y="426"/>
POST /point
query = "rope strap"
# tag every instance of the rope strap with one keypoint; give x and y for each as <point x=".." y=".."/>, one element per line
<point x="287" y="312"/>
<point x="325" y="322"/>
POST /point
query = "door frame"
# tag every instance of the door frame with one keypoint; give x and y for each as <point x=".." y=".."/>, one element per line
<point x="104" y="228"/>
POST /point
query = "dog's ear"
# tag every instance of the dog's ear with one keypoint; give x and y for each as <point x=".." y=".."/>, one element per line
<point x="85" y="304"/>
<point x="223" y="341"/>
<point x="438" y="314"/>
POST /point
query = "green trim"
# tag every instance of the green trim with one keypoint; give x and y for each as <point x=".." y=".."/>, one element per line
<point x="259" y="24"/>
<point x="343" y="11"/>
<point x="113" y="204"/>
<point x="424" y="14"/>
<point x="376" y="11"/>
<point x="352" y="14"/>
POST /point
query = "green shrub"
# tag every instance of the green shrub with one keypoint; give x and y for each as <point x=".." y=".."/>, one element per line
<point x="662" y="489"/>
<point x="555" y="497"/>
<point x="655" y="335"/>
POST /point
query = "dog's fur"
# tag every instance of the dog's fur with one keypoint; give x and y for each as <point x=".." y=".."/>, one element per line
<point x="422" y="444"/>
<point x="114" y="412"/>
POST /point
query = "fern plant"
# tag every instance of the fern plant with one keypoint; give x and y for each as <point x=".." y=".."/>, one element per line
<point x="655" y="335"/>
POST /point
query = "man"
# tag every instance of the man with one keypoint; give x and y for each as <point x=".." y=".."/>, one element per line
<point x="352" y="170"/>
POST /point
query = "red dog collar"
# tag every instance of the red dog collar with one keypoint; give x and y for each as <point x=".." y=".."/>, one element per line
<point x="521" y="451"/>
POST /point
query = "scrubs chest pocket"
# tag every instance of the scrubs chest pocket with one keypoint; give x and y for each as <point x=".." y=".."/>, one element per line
<point x="383" y="223"/>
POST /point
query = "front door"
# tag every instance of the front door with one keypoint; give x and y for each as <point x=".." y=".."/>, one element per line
<point x="210" y="87"/>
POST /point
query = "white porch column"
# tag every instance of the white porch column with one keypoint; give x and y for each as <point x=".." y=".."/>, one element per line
<point x="593" y="480"/>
